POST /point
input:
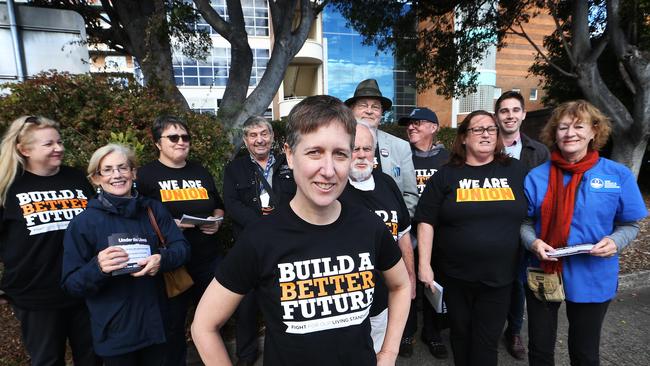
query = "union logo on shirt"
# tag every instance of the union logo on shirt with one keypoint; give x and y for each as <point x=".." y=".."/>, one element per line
<point x="188" y="190"/>
<point x="491" y="189"/>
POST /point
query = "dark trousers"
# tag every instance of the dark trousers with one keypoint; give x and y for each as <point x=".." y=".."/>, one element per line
<point x="517" y="305"/>
<point x="45" y="333"/>
<point x="585" y="324"/>
<point x="148" y="356"/>
<point x="476" y="314"/>
<point x="202" y="274"/>
<point x="431" y="321"/>
<point x="246" y="328"/>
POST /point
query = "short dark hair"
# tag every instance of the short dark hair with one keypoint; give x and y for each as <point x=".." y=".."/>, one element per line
<point x="315" y="112"/>
<point x="164" y="121"/>
<point x="458" y="152"/>
<point x="510" y="94"/>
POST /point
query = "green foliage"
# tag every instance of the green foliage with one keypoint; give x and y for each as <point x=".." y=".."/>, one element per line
<point x="94" y="111"/>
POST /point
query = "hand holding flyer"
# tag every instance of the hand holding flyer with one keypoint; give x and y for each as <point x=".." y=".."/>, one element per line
<point x="136" y="247"/>
<point x="572" y="250"/>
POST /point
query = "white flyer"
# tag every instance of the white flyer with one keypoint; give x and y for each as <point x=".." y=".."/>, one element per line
<point x="435" y="298"/>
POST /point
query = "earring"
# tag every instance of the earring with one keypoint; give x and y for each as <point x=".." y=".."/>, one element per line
<point x="99" y="189"/>
<point x="134" y="185"/>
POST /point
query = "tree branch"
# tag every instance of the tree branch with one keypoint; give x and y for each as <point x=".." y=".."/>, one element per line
<point x="601" y="44"/>
<point x="116" y="35"/>
<point x="540" y="52"/>
<point x="318" y="8"/>
<point x="216" y="21"/>
<point x="276" y="14"/>
<point x="580" y="32"/>
<point x="565" y="44"/>
<point x="626" y="78"/>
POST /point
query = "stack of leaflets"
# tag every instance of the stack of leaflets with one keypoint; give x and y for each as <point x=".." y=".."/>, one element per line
<point x="193" y="220"/>
<point x="572" y="250"/>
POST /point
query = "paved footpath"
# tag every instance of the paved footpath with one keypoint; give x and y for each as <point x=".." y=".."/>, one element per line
<point x="625" y="337"/>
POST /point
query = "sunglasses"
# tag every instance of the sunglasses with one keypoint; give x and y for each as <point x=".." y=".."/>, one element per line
<point x="30" y="119"/>
<point x="174" y="138"/>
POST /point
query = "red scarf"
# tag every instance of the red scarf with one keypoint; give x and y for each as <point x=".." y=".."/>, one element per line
<point x="559" y="201"/>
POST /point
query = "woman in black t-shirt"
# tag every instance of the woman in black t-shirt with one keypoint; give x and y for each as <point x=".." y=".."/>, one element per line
<point x="38" y="198"/>
<point x="475" y="204"/>
<point x="184" y="188"/>
<point x="312" y="262"/>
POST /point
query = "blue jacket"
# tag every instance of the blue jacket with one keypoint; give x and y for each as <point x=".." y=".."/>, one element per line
<point x="126" y="312"/>
<point x="607" y="194"/>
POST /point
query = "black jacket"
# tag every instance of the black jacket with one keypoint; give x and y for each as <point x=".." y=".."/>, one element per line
<point x="533" y="153"/>
<point x="241" y="189"/>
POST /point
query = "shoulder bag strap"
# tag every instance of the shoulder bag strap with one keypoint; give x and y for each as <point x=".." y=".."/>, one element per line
<point x="266" y="185"/>
<point x="152" y="219"/>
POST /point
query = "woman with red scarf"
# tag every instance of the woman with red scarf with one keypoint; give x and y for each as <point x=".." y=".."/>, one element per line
<point x="577" y="198"/>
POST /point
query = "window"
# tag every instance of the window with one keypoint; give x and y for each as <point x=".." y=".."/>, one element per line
<point x="256" y="17"/>
<point x="483" y="98"/>
<point x="533" y="94"/>
<point x="214" y="70"/>
<point x="497" y="93"/>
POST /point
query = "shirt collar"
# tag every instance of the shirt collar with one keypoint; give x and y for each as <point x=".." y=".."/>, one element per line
<point x="366" y="185"/>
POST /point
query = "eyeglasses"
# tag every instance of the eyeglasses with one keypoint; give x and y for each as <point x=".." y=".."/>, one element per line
<point x="417" y="122"/>
<point x="108" y="171"/>
<point x="174" y="138"/>
<point x="492" y="130"/>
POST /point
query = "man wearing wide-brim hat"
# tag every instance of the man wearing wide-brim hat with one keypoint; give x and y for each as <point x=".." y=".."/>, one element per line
<point x="393" y="155"/>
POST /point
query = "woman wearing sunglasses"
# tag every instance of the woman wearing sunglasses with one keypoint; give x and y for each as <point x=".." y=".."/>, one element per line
<point x="113" y="258"/>
<point x="475" y="204"/>
<point x="184" y="187"/>
<point x="38" y="198"/>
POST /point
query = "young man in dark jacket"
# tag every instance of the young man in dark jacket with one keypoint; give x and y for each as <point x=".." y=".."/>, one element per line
<point x="254" y="185"/>
<point x="510" y="112"/>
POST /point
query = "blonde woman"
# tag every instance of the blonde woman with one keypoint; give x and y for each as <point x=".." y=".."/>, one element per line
<point x="38" y="198"/>
<point x="127" y="302"/>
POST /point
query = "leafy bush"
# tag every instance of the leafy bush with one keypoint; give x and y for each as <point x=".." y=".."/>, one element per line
<point x="94" y="110"/>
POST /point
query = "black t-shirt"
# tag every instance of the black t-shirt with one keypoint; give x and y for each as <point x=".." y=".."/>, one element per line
<point x="188" y="190"/>
<point x="425" y="167"/>
<point x="36" y="213"/>
<point x="315" y="283"/>
<point x="476" y="212"/>
<point x="387" y="202"/>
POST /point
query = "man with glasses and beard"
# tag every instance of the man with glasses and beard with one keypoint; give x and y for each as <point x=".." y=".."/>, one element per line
<point x="254" y="185"/>
<point x="379" y="193"/>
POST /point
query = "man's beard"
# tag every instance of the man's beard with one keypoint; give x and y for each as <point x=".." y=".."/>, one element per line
<point x="360" y="175"/>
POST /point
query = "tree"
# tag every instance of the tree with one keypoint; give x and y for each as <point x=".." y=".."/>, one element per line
<point x="146" y="29"/>
<point x="291" y="21"/>
<point x="452" y="36"/>
<point x="140" y="28"/>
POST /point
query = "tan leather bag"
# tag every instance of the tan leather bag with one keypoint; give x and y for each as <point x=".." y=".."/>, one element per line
<point x="177" y="280"/>
<point x="545" y="286"/>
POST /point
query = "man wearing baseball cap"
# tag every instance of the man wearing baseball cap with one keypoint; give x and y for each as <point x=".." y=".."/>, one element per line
<point x="428" y="156"/>
<point x="393" y="155"/>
